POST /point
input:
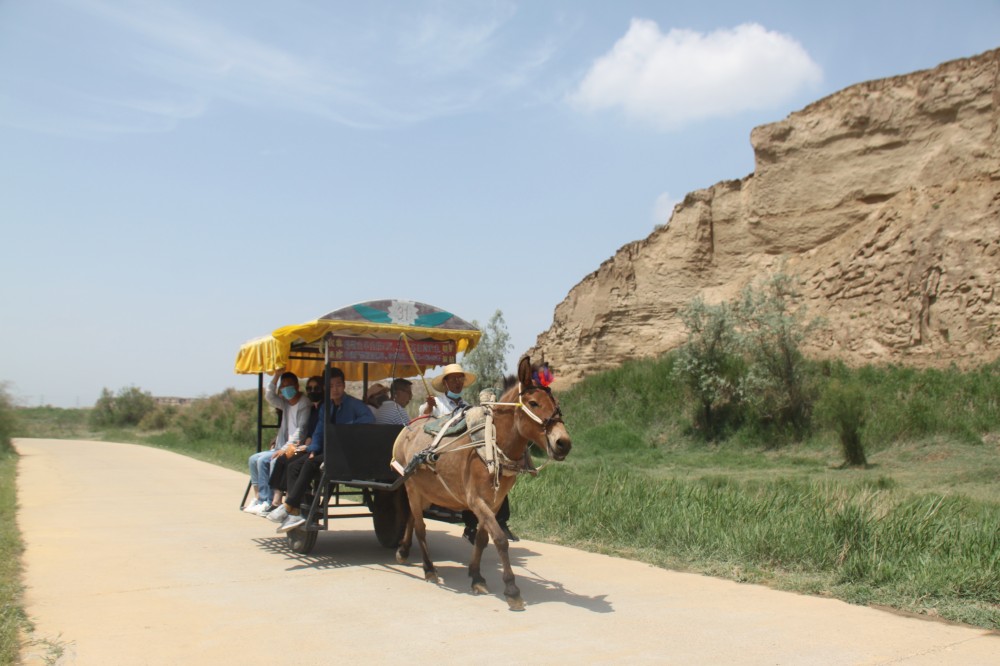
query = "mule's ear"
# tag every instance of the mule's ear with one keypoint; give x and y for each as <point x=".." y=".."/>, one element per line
<point x="524" y="373"/>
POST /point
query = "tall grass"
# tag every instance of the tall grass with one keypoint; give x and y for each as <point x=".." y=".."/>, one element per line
<point x="640" y="483"/>
<point x="852" y="537"/>
<point x="908" y="403"/>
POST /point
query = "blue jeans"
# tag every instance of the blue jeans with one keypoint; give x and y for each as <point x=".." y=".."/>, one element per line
<point x="260" y="473"/>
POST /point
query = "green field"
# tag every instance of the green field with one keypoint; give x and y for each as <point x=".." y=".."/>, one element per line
<point x="917" y="529"/>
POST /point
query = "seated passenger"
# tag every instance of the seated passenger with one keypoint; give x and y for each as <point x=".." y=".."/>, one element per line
<point x="345" y="409"/>
<point x="393" y="410"/>
<point x="295" y="416"/>
<point x="279" y="465"/>
<point x="377" y="394"/>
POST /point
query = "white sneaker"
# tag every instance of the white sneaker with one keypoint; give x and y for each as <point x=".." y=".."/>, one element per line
<point x="291" y="522"/>
<point x="252" y="507"/>
<point x="263" y="509"/>
<point x="277" y="515"/>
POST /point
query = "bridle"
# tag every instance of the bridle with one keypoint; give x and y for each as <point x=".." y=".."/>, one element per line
<point x="555" y="417"/>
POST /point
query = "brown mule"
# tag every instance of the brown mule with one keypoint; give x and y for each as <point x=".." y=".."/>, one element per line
<point x="460" y="480"/>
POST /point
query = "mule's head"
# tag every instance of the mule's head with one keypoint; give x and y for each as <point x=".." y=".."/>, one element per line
<point x="539" y="418"/>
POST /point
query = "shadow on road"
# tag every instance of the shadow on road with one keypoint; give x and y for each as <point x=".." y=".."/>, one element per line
<point x="346" y="549"/>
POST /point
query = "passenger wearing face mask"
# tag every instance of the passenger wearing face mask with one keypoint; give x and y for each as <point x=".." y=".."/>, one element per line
<point x="283" y="393"/>
<point x="294" y="451"/>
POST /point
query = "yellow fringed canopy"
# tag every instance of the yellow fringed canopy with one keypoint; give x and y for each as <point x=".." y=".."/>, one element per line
<point x="380" y="334"/>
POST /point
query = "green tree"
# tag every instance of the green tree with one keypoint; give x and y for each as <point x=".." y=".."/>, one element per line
<point x="488" y="361"/>
<point x="127" y="408"/>
<point x="710" y="365"/>
<point x="772" y="326"/>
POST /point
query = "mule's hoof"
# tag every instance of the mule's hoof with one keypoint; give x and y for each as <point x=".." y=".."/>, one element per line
<point x="515" y="603"/>
<point x="431" y="577"/>
<point x="401" y="556"/>
<point x="480" y="588"/>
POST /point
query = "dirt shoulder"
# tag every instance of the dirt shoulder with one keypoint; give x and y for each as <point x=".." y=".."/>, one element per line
<point x="134" y="555"/>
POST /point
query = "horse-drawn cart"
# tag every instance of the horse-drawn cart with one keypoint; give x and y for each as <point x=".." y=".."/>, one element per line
<point x="368" y="341"/>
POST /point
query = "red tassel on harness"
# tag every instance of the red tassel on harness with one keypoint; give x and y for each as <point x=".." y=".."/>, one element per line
<point x="543" y="376"/>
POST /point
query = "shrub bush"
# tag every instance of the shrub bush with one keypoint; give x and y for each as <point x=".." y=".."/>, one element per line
<point x="842" y="407"/>
<point x="160" y="418"/>
<point x="8" y="419"/>
<point x="743" y="367"/>
<point x="127" y="408"/>
<point x="230" y="416"/>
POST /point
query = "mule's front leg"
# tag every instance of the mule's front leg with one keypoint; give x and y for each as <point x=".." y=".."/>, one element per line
<point x="510" y="590"/>
<point x="489" y="527"/>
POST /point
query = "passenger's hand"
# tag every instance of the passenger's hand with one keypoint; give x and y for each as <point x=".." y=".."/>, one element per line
<point x="276" y="454"/>
<point x="311" y="456"/>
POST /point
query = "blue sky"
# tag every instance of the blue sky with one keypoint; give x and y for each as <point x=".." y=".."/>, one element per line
<point x="178" y="177"/>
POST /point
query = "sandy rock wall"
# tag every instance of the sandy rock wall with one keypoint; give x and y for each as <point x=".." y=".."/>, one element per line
<point x="883" y="199"/>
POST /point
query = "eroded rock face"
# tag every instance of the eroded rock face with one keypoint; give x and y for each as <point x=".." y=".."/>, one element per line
<point x="883" y="199"/>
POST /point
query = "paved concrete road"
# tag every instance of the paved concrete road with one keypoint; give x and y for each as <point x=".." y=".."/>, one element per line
<point x="139" y="556"/>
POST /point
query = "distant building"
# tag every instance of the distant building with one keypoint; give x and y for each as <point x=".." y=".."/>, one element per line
<point x="172" y="401"/>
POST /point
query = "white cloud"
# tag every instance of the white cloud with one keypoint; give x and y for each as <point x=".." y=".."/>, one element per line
<point x="663" y="208"/>
<point x="672" y="79"/>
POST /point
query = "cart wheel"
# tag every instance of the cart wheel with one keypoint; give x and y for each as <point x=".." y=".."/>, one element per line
<point x="389" y="513"/>
<point x="302" y="541"/>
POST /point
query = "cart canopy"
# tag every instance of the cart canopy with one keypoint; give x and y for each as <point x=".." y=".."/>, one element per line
<point x="386" y="335"/>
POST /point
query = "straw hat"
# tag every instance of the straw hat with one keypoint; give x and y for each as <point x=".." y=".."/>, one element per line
<point x="453" y="369"/>
<point x="376" y="390"/>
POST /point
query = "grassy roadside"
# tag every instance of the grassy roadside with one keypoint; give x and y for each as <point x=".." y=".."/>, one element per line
<point x="12" y="617"/>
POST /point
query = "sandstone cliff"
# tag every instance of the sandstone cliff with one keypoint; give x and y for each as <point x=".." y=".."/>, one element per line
<point x="883" y="199"/>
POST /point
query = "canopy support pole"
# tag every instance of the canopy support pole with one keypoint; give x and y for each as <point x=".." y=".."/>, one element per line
<point x="260" y="411"/>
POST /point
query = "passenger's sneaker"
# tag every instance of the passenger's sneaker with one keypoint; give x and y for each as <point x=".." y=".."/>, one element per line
<point x="507" y="533"/>
<point x="263" y="509"/>
<point x="470" y="533"/>
<point x="252" y="507"/>
<point x="291" y="522"/>
<point x="278" y="514"/>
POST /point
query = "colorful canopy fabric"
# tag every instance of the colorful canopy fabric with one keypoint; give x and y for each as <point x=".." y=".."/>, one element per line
<point x="298" y="347"/>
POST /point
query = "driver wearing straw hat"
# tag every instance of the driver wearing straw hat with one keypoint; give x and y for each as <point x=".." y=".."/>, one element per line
<point x="450" y="382"/>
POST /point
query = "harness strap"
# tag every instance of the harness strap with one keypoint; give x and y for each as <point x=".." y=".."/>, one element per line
<point x="432" y="449"/>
